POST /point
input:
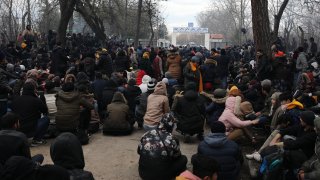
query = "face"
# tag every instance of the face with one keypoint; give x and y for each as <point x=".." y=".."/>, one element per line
<point x="273" y="101"/>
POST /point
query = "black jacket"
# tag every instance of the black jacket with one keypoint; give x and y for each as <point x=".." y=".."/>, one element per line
<point x="225" y="152"/>
<point x="66" y="151"/>
<point x="58" y="61"/>
<point x="13" y="143"/>
<point x="131" y="93"/>
<point x="21" y="168"/>
<point x="223" y="65"/>
<point x="190" y="111"/>
<point x="121" y="63"/>
<point x="29" y="107"/>
<point x="305" y="140"/>
<point x="105" y="64"/>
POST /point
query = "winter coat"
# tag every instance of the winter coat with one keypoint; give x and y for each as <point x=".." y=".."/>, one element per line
<point x="302" y="63"/>
<point x="131" y="93"/>
<point x="142" y="104"/>
<point x="215" y="109"/>
<point x="108" y="92"/>
<point x="141" y="73"/>
<point x="264" y="68"/>
<point x="158" y="150"/>
<point x="187" y="175"/>
<point x="228" y="117"/>
<point x="146" y="66"/>
<point x="18" y="168"/>
<point x="13" y="143"/>
<point x="209" y="71"/>
<point x="223" y="65"/>
<point x="68" y="109"/>
<point x="174" y="65"/>
<point x="157" y="67"/>
<point x="191" y="76"/>
<point x="121" y="63"/>
<point x="105" y="64"/>
<point x="58" y="61"/>
<point x="190" y="111"/>
<point x="118" y="118"/>
<point x="157" y="105"/>
<point x="98" y="86"/>
<point x="66" y="151"/>
<point x="226" y="152"/>
<point x="312" y="166"/>
<point x="305" y="140"/>
<point x="29" y="107"/>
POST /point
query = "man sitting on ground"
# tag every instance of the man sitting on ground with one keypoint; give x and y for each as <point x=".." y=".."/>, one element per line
<point x="13" y="142"/>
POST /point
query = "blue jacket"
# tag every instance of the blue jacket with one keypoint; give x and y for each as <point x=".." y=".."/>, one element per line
<point x="225" y="152"/>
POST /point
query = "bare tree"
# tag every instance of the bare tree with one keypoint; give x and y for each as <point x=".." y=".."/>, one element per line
<point x="261" y="25"/>
<point x="66" y="11"/>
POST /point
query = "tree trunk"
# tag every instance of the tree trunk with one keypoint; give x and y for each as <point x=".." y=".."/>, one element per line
<point x="10" y="21"/>
<point x="136" y="40"/>
<point x="277" y="18"/>
<point x="24" y="20"/>
<point x="261" y="26"/>
<point x="92" y="19"/>
<point x="302" y="36"/>
<point x="66" y="11"/>
<point x="29" y="12"/>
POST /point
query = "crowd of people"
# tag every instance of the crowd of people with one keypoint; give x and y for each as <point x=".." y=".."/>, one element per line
<point x="241" y="95"/>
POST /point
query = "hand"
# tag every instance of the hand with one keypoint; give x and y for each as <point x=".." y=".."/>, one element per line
<point x="254" y="122"/>
<point x="301" y="176"/>
<point x="258" y="113"/>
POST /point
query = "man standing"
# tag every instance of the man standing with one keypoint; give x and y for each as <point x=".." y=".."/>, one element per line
<point x="28" y="36"/>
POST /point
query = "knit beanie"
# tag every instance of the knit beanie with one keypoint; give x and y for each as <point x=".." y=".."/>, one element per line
<point x="165" y="80"/>
<point x="151" y="85"/>
<point x="218" y="127"/>
<point x="266" y="82"/>
<point x="308" y="117"/>
<point x="219" y="93"/>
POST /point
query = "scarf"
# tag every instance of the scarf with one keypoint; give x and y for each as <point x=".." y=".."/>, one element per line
<point x="194" y="69"/>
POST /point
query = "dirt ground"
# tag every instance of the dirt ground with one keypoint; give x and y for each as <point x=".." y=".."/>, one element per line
<point x="115" y="157"/>
<point x="111" y="157"/>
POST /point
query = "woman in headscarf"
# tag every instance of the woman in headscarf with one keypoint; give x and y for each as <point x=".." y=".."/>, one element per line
<point x="160" y="155"/>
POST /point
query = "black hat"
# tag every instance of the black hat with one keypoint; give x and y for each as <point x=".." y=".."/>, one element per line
<point x="308" y="117"/>
<point x="218" y="127"/>
<point x="219" y="93"/>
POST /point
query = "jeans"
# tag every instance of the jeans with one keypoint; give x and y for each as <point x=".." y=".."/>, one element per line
<point x="42" y="127"/>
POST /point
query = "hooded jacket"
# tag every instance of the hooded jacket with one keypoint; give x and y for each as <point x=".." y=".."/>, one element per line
<point x="229" y="119"/>
<point x="158" y="151"/>
<point x="215" y="109"/>
<point x="157" y="105"/>
<point x="209" y="70"/>
<point x="144" y="86"/>
<point x="190" y="111"/>
<point x="312" y="166"/>
<point x="29" y="107"/>
<point x="22" y="168"/>
<point x="105" y="64"/>
<point x="117" y="115"/>
<point x="66" y="151"/>
<point x="225" y="152"/>
<point x="68" y="109"/>
<point x="174" y="65"/>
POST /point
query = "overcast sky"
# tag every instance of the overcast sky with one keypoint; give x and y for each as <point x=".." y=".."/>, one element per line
<point x="178" y="13"/>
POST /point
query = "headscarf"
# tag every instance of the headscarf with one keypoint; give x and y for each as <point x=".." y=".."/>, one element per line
<point x="166" y="123"/>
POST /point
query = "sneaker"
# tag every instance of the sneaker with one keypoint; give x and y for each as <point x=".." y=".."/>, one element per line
<point x="251" y="156"/>
<point x="257" y="157"/>
<point x="36" y="143"/>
